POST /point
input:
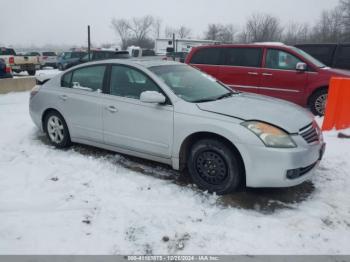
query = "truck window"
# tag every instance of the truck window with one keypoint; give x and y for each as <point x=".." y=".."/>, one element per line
<point x="247" y="57"/>
<point x="7" y="51"/>
<point x="207" y="56"/>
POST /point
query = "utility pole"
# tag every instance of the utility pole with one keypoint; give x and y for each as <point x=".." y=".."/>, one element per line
<point x="89" y="43"/>
<point x="174" y="46"/>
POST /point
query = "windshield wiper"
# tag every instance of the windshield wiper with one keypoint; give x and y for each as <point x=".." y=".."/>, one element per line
<point x="225" y="96"/>
<point x="210" y="99"/>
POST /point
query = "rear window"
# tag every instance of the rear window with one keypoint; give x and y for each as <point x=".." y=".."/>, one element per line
<point x="78" y="54"/>
<point x="7" y="51"/>
<point x="207" y="56"/>
<point x="247" y="57"/>
<point x="49" y="54"/>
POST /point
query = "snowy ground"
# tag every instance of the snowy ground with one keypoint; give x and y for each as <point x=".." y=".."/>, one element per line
<point x="85" y="200"/>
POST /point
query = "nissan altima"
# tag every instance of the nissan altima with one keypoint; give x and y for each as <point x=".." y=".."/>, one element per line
<point x="175" y="114"/>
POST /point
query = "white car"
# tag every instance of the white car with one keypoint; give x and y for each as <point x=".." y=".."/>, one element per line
<point x="174" y="114"/>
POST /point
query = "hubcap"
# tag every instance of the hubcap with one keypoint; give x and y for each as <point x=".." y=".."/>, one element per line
<point x="211" y="167"/>
<point x="320" y="104"/>
<point x="55" y="129"/>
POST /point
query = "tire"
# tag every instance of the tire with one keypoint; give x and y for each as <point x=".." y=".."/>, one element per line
<point x="60" y="67"/>
<point x="56" y="130"/>
<point x="317" y="102"/>
<point x="215" y="167"/>
<point x="31" y="72"/>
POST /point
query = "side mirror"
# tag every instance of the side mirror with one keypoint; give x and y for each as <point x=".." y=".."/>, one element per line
<point x="301" y="67"/>
<point x="152" y="97"/>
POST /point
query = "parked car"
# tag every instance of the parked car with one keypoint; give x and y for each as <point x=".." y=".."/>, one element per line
<point x="97" y="55"/>
<point x="275" y="70"/>
<point x="19" y="63"/>
<point x="68" y="59"/>
<point x="48" y="58"/>
<point x="172" y="113"/>
<point x="176" y="56"/>
<point x="332" y="55"/>
<point x="5" y="70"/>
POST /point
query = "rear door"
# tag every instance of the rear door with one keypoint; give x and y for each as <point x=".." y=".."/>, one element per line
<point x="81" y="102"/>
<point x="241" y="68"/>
<point x="280" y="78"/>
<point x="207" y="60"/>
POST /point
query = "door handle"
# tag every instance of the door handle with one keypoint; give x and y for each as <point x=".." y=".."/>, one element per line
<point x="267" y="74"/>
<point x="112" y="109"/>
<point x="63" y="97"/>
<point x="253" y="73"/>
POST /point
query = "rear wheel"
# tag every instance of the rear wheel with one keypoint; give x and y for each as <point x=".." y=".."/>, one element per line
<point x="214" y="166"/>
<point x="56" y="130"/>
<point x="318" y="102"/>
<point x="31" y="72"/>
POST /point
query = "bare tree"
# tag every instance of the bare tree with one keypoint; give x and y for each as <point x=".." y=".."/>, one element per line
<point x="183" y="32"/>
<point x="213" y="32"/>
<point x="345" y="7"/>
<point x="329" y="28"/>
<point x="121" y="27"/>
<point x="140" y="27"/>
<point x="262" y="28"/>
<point x="157" y="26"/>
<point x="296" y="33"/>
<point x="169" y="31"/>
<point x="221" y="33"/>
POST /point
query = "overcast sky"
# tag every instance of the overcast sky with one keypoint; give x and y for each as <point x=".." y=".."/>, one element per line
<point x="39" y="22"/>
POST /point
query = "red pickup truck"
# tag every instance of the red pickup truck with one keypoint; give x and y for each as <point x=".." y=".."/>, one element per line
<point x="270" y="69"/>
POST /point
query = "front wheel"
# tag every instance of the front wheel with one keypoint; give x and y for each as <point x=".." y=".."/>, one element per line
<point x="56" y="130"/>
<point x="215" y="167"/>
<point x="318" y="102"/>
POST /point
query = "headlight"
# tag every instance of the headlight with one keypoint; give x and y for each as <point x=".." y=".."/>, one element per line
<point x="270" y="135"/>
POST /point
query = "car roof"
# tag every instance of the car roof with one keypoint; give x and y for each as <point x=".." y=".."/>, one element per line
<point x="135" y="62"/>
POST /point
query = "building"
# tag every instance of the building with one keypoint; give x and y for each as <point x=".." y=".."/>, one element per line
<point x="181" y="45"/>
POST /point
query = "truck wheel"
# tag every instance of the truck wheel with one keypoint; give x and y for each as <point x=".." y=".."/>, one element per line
<point x="318" y="102"/>
<point x="214" y="166"/>
<point x="31" y="72"/>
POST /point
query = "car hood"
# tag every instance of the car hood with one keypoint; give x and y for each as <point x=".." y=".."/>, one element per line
<point x="338" y="72"/>
<point x="245" y="106"/>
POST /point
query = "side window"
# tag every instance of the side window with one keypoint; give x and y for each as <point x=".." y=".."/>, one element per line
<point x="66" y="80"/>
<point x="207" y="56"/>
<point x="343" y="57"/>
<point x="129" y="82"/>
<point x="248" y="57"/>
<point x="89" y="77"/>
<point x="67" y="55"/>
<point x="278" y="59"/>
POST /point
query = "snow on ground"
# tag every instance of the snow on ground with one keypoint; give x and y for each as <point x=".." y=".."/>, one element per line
<point x="89" y="201"/>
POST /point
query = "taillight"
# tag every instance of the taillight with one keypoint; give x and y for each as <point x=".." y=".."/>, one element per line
<point x="34" y="91"/>
<point x="8" y="70"/>
<point x="11" y="60"/>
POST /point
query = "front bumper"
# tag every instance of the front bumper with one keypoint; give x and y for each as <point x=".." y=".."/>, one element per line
<point x="271" y="167"/>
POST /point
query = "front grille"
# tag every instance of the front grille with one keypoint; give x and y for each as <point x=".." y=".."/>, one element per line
<point x="310" y="134"/>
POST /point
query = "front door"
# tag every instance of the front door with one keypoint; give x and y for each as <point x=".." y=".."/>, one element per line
<point x="281" y="79"/>
<point x="131" y="124"/>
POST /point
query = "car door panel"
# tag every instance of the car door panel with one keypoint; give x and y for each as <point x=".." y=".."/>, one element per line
<point x="280" y="78"/>
<point x="241" y="69"/>
<point x="132" y="124"/>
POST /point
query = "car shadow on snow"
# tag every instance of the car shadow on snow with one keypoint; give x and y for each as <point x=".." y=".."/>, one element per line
<point x="264" y="200"/>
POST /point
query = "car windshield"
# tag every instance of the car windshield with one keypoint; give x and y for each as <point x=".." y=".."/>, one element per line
<point x="191" y="84"/>
<point x="309" y="57"/>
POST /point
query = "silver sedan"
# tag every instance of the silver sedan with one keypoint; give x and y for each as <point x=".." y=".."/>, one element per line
<point x="174" y="114"/>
